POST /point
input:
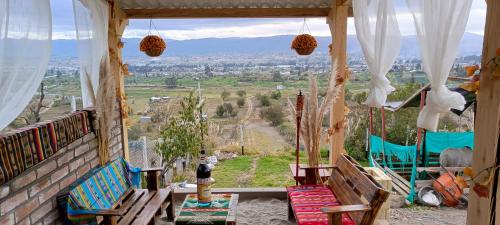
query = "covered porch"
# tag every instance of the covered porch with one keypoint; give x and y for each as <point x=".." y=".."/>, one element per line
<point x="31" y="197"/>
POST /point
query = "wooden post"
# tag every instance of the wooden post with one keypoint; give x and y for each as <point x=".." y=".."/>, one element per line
<point x="117" y="24"/>
<point x="337" y="20"/>
<point x="420" y="131"/>
<point x="370" y="116"/>
<point x="486" y="147"/>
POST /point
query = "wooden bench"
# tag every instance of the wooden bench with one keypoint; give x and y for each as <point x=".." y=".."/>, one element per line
<point x="121" y="204"/>
<point x="352" y="196"/>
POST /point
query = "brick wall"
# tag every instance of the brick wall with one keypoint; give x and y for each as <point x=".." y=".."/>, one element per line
<point x="31" y="197"/>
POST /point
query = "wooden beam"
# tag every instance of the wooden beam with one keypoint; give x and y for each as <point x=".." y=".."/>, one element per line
<point x="487" y="126"/>
<point x="337" y="20"/>
<point x="227" y="13"/>
<point x="117" y="24"/>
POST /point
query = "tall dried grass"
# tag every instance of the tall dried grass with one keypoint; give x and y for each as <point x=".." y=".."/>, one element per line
<point x="313" y="115"/>
<point x="105" y="107"/>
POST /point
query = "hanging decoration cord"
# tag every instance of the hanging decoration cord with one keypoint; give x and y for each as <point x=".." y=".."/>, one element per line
<point x="151" y="25"/>
<point x="304" y="27"/>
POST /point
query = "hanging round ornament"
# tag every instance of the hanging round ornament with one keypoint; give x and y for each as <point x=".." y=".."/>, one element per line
<point x="153" y="45"/>
<point x="304" y="43"/>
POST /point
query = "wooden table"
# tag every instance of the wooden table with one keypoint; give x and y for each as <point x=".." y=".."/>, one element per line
<point x="214" y="214"/>
<point x="324" y="171"/>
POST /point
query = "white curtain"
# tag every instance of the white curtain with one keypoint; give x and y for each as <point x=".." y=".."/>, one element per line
<point x="91" y="20"/>
<point x="25" y="47"/>
<point x="378" y="33"/>
<point x="440" y="25"/>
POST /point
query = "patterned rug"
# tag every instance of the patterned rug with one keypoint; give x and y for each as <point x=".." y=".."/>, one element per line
<point x="23" y="148"/>
<point x="215" y="214"/>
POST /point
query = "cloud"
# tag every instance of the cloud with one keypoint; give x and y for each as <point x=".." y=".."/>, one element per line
<point x="182" y="29"/>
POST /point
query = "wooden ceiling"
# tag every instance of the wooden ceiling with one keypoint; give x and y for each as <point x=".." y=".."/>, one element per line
<point x="145" y="9"/>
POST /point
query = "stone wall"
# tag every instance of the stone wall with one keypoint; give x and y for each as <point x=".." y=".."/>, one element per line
<point x="30" y="198"/>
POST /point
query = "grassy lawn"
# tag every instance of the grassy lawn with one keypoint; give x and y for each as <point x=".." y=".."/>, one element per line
<point x="226" y="172"/>
<point x="270" y="170"/>
<point x="273" y="171"/>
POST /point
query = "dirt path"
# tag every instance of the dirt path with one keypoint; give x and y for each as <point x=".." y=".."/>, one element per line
<point x="264" y="138"/>
<point x="246" y="179"/>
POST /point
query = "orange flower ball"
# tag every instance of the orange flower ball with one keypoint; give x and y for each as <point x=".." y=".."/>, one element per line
<point x="304" y="44"/>
<point x="152" y="45"/>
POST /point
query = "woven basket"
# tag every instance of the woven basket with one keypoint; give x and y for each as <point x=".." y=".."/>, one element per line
<point x="153" y="45"/>
<point x="304" y="51"/>
<point x="304" y="44"/>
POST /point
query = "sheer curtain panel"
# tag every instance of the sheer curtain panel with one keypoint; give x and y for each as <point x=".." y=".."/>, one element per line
<point x="440" y="25"/>
<point x="25" y="46"/>
<point x="91" y="20"/>
<point x="378" y="33"/>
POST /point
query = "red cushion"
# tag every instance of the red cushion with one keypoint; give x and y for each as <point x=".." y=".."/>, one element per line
<point x="307" y="201"/>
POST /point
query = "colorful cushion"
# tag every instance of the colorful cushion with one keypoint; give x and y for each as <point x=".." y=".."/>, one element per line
<point x="307" y="201"/>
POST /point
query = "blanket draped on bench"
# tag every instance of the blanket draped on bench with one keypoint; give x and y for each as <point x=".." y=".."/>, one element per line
<point x="307" y="201"/>
<point x="101" y="190"/>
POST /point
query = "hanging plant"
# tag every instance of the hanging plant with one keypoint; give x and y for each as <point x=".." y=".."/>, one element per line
<point x="304" y="44"/>
<point x="153" y="45"/>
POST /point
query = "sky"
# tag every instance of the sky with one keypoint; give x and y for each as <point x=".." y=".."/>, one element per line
<point x="183" y="29"/>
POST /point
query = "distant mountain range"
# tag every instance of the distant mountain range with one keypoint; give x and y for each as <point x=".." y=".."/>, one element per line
<point x="471" y="45"/>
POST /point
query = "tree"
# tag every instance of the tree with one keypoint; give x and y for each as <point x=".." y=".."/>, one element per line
<point x="183" y="133"/>
<point x="240" y="102"/>
<point x="34" y="109"/>
<point x="225" y="94"/>
<point x="241" y="93"/>
<point x="277" y="76"/>
<point x="274" y="114"/>
<point x="208" y="71"/>
<point x="171" y="82"/>
<point x="264" y="100"/>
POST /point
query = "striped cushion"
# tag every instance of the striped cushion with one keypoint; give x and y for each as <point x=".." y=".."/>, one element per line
<point x="307" y="201"/>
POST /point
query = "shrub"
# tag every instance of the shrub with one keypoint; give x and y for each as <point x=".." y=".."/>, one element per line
<point x="219" y="111"/>
<point x="264" y="100"/>
<point x="225" y="110"/>
<point x="241" y="93"/>
<point x="225" y="94"/>
<point x="274" y="114"/>
<point x="276" y="95"/>
<point x="240" y="102"/>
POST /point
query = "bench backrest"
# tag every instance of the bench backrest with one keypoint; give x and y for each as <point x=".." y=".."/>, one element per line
<point x="352" y="185"/>
<point x="103" y="189"/>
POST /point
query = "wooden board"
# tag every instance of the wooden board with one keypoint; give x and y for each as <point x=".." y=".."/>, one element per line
<point x="138" y="204"/>
<point x="337" y="20"/>
<point x="439" y="169"/>
<point x="152" y="208"/>
<point x="324" y="173"/>
<point x="400" y="184"/>
<point x="357" y="178"/>
<point x="226" y="13"/>
<point x="486" y="150"/>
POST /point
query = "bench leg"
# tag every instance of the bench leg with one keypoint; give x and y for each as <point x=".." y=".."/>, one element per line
<point x="170" y="207"/>
<point x="335" y="219"/>
<point x="291" y="216"/>
<point x="110" y="220"/>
